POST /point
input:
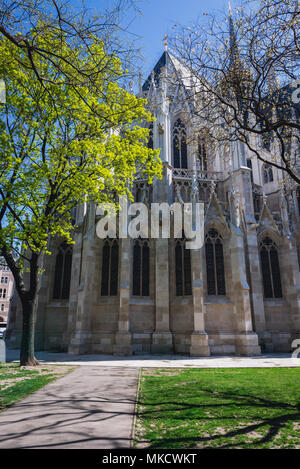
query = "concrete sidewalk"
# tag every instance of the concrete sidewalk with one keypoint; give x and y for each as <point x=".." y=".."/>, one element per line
<point x="94" y="406"/>
<point x="163" y="361"/>
<point x="90" y="408"/>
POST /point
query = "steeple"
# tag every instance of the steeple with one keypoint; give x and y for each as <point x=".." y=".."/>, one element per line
<point x="234" y="50"/>
<point x="155" y="74"/>
<point x="165" y="39"/>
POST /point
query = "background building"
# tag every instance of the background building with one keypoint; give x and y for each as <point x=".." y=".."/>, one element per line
<point x="6" y="290"/>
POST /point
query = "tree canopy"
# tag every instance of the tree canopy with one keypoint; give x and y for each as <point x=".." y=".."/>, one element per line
<point x="243" y="69"/>
<point x="62" y="145"/>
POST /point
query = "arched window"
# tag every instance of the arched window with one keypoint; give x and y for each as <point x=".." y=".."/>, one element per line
<point x="110" y="268"/>
<point x="266" y="137"/>
<point x="267" y="173"/>
<point x="62" y="274"/>
<point x="256" y="203"/>
<point x="150" y="137"/>
<point x="266" y="141"/>
<point x="182" y="268"/>
<point x="214" y="263"/>
<point x="298" y="198"/>
<point x="249" y="165"/>
<point x="298" y="255"/>
<point x="141" y="268"/>
<point x="202" y="154"/>
<point x="270" y="269"/>
<point x="179" y="145"/>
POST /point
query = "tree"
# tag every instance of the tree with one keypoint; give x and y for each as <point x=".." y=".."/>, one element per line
<point x="57" y="151"/>
<point x="242" y="73"/>
<point x="23" y="22"/>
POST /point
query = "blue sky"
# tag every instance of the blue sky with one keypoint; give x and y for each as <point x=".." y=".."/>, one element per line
<point x="157" y="19"/>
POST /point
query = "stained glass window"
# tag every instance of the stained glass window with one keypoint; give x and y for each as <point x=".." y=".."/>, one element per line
<point x="182" y="269"/>
<point x="110" y="268"/>
<point x="270" y="269"/>
<point x="150" y="137"/>
<point x="179" y="145"/>
<point x="62" y="272"/>
<point x="267" y="173"/>
<point x="215" y="272"/>
<point x="141" y="268"/>
<point x="202" y="154"/>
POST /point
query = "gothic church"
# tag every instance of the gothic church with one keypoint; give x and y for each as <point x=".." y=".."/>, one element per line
<point x="238" y="294"/>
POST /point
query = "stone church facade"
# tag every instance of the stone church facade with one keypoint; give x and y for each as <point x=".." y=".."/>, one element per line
<point x="238" y="294"/>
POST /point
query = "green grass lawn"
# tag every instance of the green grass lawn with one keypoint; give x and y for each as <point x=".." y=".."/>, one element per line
<point x="16" y="383"/>
<point x="219" y="408"/>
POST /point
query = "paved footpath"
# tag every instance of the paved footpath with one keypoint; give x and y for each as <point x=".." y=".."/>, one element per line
<point x="94" y="405"/>
<point x="163" y="361"/>
<point x="91" y="407"/>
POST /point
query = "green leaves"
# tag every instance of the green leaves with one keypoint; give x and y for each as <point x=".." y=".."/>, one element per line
<point x="64" y="141"/>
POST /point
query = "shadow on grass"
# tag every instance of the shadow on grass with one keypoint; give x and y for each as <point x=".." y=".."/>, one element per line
<point x="290" y="414"/>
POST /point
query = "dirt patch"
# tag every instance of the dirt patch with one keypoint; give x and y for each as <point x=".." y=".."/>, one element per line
<point x="161" y="371"/>
<point x="53" y="370"/>
<point x="8" y="382"/>
<point x="46" y="369"/>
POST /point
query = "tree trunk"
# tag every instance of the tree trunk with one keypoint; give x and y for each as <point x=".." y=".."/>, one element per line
<point x="27" y="297"/>
<point x="27" y="357"/>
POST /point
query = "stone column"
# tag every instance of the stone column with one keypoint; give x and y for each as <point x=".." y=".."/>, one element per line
<point x="76" y="280"/>
<point x="123" y="344"/>
<point x="257" y="294"/>
<point x="290" y="279"/>
<point x="246" y="339"/>
<point x="199" y="339"/>
<point x="162" y="337"/>
<point x="81" y="337"/>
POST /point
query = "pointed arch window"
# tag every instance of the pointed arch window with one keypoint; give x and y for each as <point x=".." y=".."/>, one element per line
<point x="298" y="198"/>
<point x="182" y="268"/>
<point x="249" y="165"/>
<point x="266" y="141"/>
<point x="110" y="267"/>
<point x="298" y="256"/>
<point x="270" y="269"/>
<point x="179" y="145"/>
<point x="150" y="137"/>
<point x="266" y="137"/>
<point x="215" y="272"/>
<point x="141" y="268"/>
<point x="202" y="154"/>
<point x="267" y="173"/>
<point x="62" y="273"/>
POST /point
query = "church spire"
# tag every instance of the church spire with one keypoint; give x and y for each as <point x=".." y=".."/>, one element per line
<point x="165" y="39"/>
<point x="234" y="51"/>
